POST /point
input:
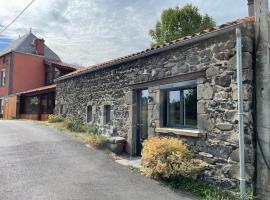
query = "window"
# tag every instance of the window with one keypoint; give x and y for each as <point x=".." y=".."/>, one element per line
<point x="181" y="107"/>
<point x="3" y="78"/>
<point x="57" y="72"/>
<point x="4" y="59"/>
<point x="1" y="106"/>
<point x="108" y="114"/>
<point x="89" y="114"/>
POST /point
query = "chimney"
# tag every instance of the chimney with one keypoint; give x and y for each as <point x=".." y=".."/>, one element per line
<point x="40" y="46"/>
<point x="251" y="8"/>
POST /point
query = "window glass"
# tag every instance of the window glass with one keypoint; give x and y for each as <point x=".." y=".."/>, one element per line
<point x="89" y="113"/>
<point x="190" y="104"/>
<point x="3" y="77"/>
<point x="108" y="116"/>
<point x="174" y="108"/>
<point x="180" y="107"/>
<point x="57" y="73"/>
<point x="4" y="59"/>
<point x="1" y="106"/>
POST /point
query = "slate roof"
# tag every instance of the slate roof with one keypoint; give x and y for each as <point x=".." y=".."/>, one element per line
<point x="24" y="44"/>
<point x="153" y="50"/>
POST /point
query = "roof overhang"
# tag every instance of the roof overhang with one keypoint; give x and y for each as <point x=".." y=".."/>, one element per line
<point x="61" y="65"/>
<point x="223" y="29"/>
<point x="38" y="91"/>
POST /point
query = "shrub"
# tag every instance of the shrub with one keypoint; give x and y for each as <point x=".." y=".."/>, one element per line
<point x="95" y="140"/>
<point x="168" y="157"/>
<point x="91" y="129"/>
<point x="55" y="118"/>
<point x="74" y="124"/>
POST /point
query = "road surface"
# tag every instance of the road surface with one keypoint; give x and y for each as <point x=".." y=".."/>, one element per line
<point x="40" y="163"/>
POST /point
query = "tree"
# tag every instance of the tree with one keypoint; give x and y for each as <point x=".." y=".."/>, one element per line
<point x="178" y="22"/>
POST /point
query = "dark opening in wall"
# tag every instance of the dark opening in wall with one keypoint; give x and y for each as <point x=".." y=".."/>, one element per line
<point x="89" y="113"/>
<point x="108" y="114"/>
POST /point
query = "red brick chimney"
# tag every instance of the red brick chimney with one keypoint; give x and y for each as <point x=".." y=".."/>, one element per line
<point x="40" y="46"/>
<point x="251" y="8"/>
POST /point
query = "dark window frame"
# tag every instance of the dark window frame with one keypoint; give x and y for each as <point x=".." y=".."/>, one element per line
<point x="107" y="114"/>
<point x="89" y="116"/>
<point x="181" y="87"/>
<point x="4" y="60"/>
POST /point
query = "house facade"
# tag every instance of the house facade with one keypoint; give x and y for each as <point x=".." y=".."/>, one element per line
<point x="27" y="64"/>
<point x="185" y="89"/>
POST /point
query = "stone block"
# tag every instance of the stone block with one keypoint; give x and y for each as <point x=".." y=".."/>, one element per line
<point x="225" y="127"/>
<point x="205" y="91"/>
<point x="212" y="72"/>
<point x="219" y="150"/>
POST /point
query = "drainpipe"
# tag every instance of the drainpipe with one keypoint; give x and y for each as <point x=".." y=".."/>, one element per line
<point x="240" y="113"/>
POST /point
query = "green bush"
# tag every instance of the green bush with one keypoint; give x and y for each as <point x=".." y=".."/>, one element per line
<point x="91" y="129"/>
<point x="55" y="118"/>
<point x="95" y="140"/>
<point x="168" y="157"/>
<point x="73" y="124"/>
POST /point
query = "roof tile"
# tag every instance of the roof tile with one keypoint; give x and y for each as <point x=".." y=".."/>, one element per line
<point x="209" y="30"/>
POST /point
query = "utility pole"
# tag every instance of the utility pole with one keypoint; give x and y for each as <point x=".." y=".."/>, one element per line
<point x="262" y="98"/>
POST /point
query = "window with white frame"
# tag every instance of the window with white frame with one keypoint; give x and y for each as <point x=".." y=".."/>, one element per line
<point x="89" y="113"/>
<point x="3" y="77"/>
<point x="180" y="104"/>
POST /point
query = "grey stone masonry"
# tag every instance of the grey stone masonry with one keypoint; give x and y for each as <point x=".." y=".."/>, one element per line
<point x="216" y="94"/>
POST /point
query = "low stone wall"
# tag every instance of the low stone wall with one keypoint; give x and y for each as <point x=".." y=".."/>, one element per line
<point x="216" y="93"/>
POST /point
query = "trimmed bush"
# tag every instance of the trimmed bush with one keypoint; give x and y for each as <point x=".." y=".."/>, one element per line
<point x="75" y="125"/>
<point x="55" y="118"/>
<point x="94" y="140"/>
<point x="164" y="158"/>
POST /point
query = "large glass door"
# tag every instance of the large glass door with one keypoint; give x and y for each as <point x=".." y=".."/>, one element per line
<point x="142" y="118"/>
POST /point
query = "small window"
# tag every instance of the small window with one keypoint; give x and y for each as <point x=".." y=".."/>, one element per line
<point x="4" y="59"/>
<point x="108" y="114"/>
<point x="89" y="112"/>
<point x="181" y="107"/>
<point x="57" y="73"/>
<point x="3" y="78"/>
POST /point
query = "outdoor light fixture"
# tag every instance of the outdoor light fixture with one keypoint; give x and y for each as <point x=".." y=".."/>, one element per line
<point x="145" y="72"/>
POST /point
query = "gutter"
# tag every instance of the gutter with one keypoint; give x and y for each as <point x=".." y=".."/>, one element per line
<point x="156" y="51"/>
<point x="240" y="113"/>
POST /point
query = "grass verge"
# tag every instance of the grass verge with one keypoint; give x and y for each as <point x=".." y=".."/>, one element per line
<point x="94" y="140"/>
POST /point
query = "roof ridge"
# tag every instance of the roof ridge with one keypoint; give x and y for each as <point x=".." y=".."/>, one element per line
<point x="166" y="44"/>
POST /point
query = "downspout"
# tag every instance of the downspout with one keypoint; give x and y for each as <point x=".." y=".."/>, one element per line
<point x="240" y="113"/>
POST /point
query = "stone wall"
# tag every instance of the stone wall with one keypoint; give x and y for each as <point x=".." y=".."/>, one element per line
<point x="216" y="92"/>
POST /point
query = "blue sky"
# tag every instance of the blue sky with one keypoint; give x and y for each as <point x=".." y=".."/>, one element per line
<point x="91" y="31"/>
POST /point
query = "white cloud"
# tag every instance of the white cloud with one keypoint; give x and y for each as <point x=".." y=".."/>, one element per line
<point x="91" y="31"/>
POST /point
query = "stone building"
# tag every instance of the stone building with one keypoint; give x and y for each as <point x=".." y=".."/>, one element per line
<point x="184" y="89"/>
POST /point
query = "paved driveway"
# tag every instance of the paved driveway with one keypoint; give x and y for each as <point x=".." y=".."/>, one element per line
<point x="37" y="162"/>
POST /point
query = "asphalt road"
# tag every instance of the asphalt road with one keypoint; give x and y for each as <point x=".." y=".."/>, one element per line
<point x="40" y="163"/>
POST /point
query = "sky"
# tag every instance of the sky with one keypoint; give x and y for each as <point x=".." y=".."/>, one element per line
<point x="86" y="32"/>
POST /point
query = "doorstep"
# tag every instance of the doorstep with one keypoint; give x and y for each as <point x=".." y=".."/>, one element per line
<point x="127" y="160"/>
